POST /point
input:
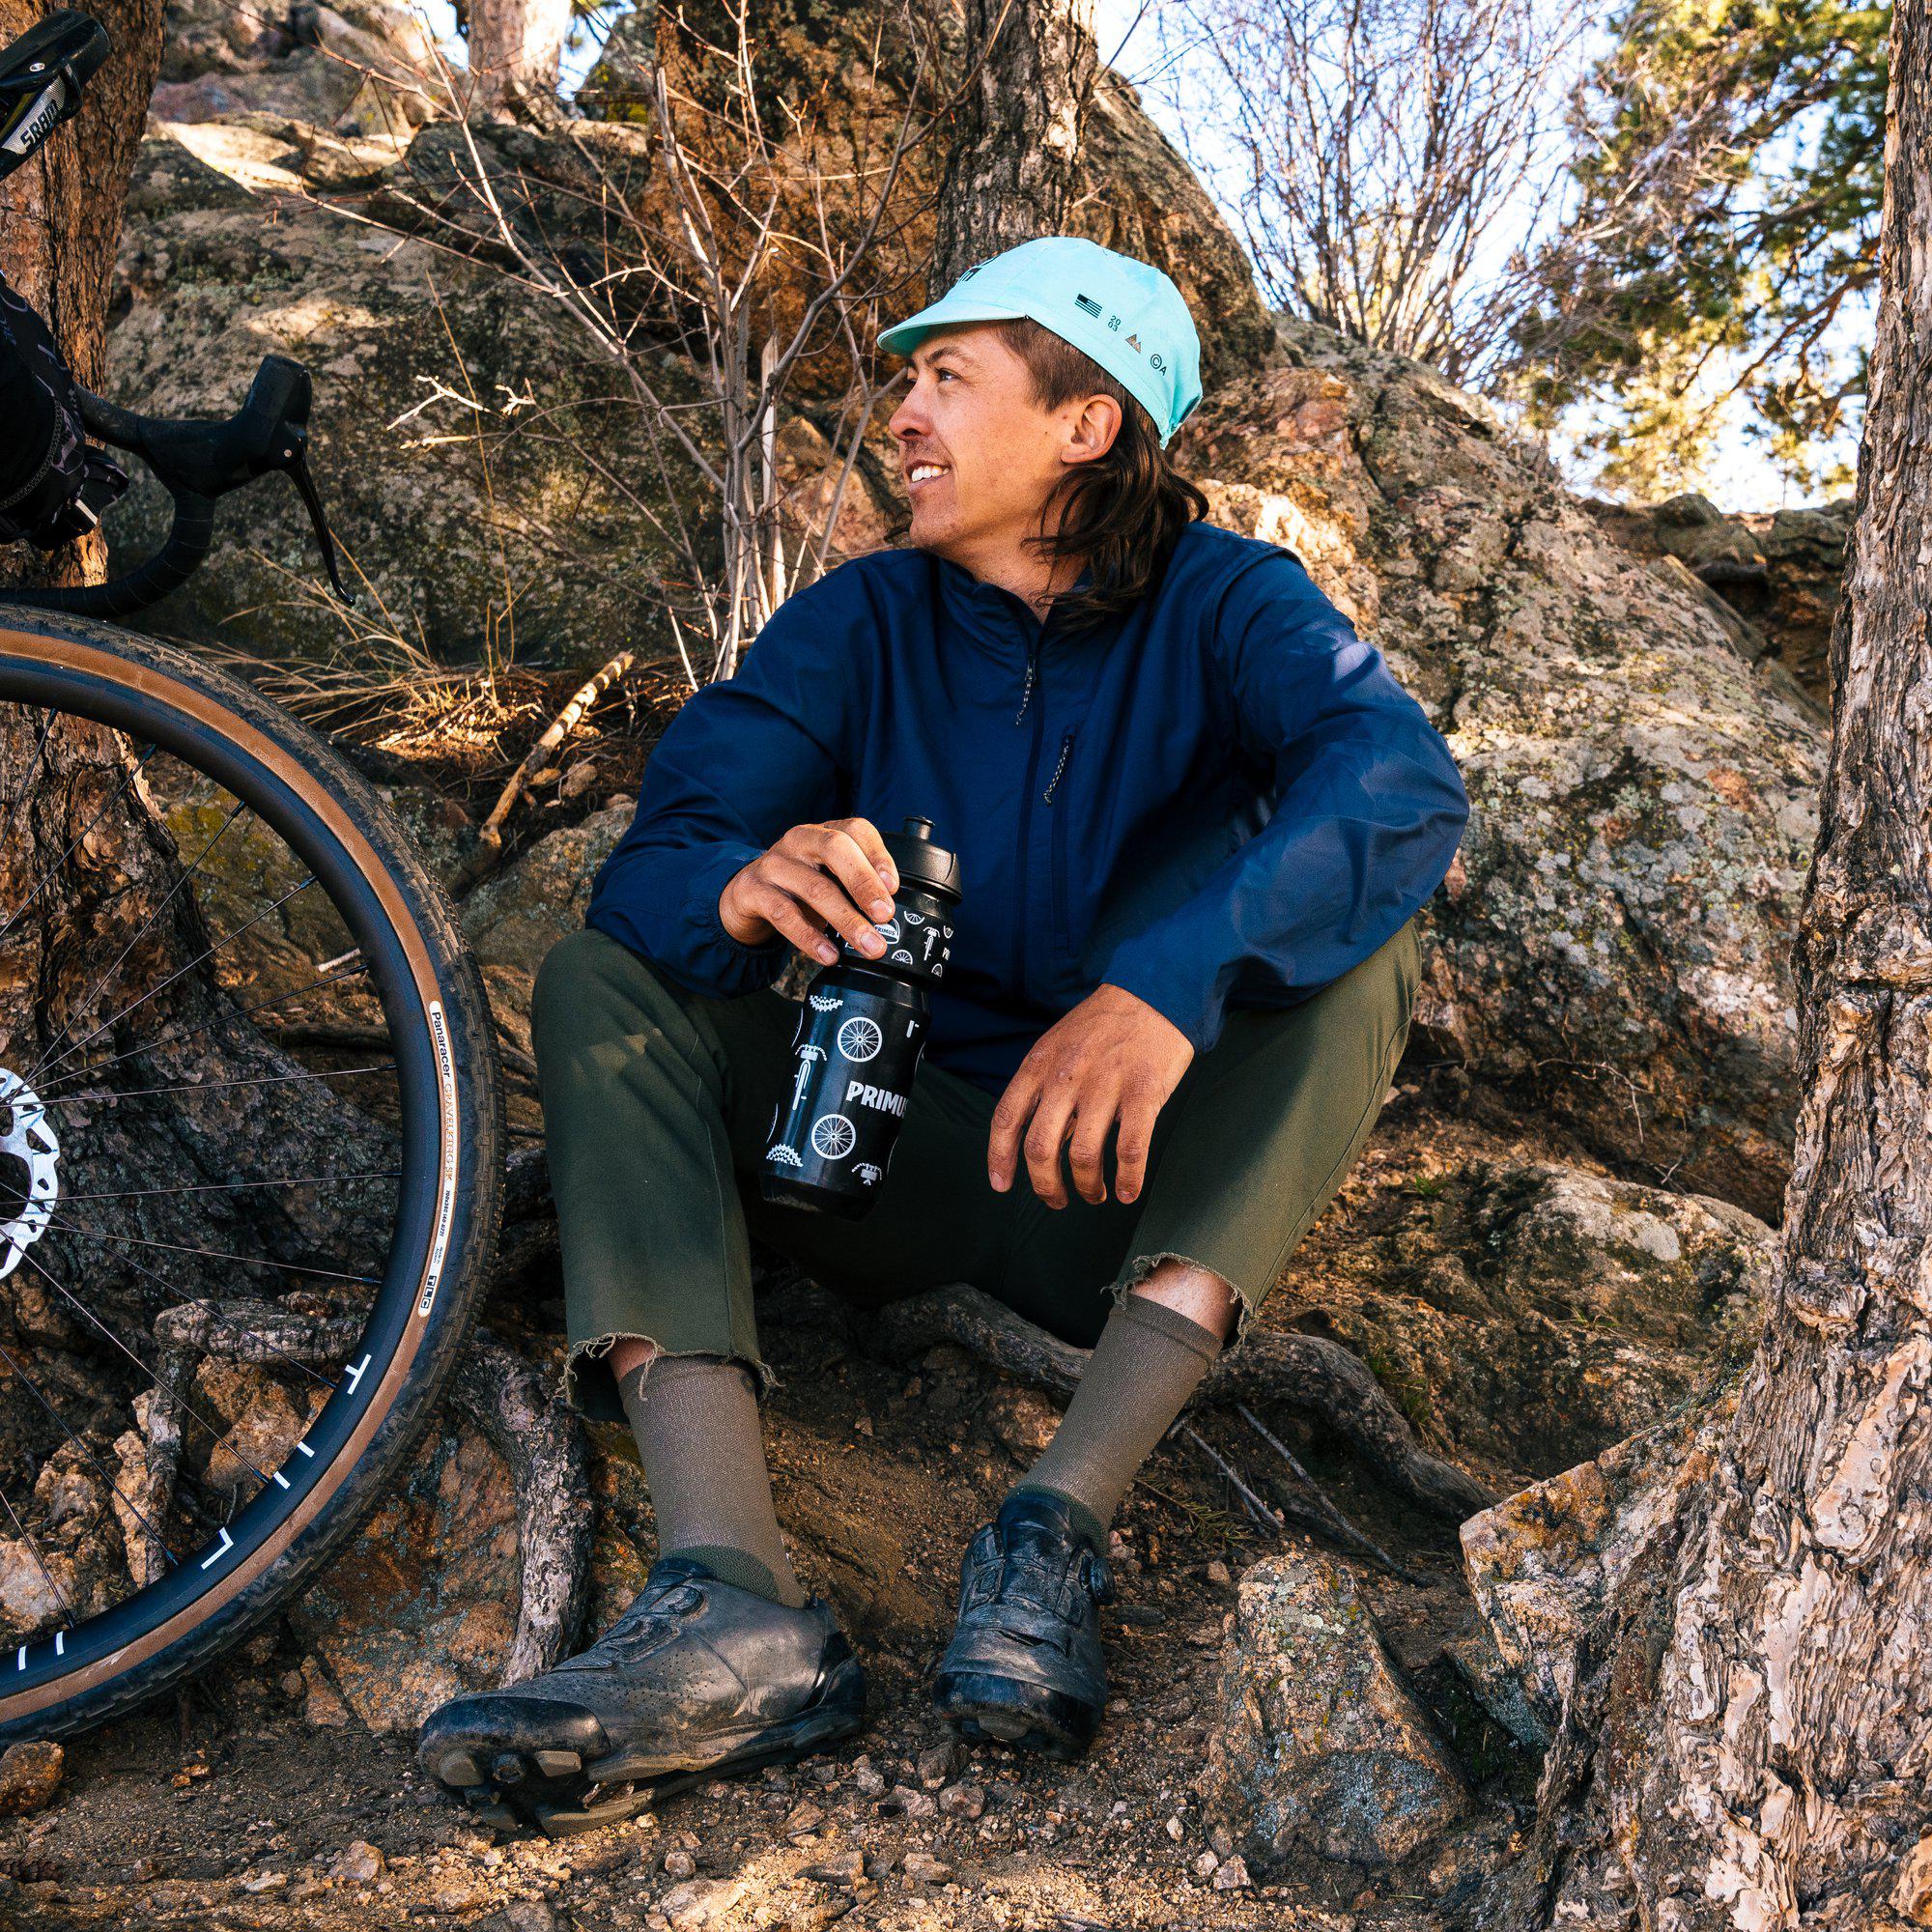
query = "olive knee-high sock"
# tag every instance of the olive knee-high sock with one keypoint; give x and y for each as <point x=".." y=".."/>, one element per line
<point x="1147" y="1363"/>
<point x="695" y="1418"/>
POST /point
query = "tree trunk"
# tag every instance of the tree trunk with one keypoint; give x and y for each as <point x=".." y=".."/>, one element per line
<point x="1011" y="176"/>
<point x="515" y="53"/>
<point x="60" y="216"/>
<point x="60" y="221"/>
<point x="1754" y="1746"/>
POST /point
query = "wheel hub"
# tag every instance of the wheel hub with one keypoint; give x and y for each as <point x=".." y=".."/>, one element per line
<point x="29" y="1140"/>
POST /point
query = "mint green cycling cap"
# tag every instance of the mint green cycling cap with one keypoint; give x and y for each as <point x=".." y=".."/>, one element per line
<point x="1125" y="314"/>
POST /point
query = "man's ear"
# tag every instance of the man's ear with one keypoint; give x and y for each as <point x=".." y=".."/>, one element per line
<point x="1093" y="430"/>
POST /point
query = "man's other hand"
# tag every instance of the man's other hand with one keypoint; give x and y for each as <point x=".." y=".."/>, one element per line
<point x="1113" y="1058"/>
<point x="837" y="875"/>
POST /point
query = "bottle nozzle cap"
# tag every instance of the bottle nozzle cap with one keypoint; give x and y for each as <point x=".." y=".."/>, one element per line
<point x="919" y="861"/>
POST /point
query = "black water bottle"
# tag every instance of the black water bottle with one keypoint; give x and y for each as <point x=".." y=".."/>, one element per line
<point x="862" y="1028"/>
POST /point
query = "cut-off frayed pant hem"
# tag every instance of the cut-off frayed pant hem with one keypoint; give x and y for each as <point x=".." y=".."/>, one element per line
<point x="1138" y="1267"/>
<point x="594" y="1394"/>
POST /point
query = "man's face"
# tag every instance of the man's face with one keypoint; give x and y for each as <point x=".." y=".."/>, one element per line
<point x="969" y="414"/>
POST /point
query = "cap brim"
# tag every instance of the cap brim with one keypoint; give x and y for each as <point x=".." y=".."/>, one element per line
<point x="904" y="337"/>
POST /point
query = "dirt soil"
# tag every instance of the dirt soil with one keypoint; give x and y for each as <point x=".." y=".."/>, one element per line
<point x="227" y="1808"/>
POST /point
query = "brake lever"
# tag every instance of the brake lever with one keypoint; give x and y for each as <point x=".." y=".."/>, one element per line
<point x="298" y="474"/>
<point x="288" y="452"/>
<point x="200" y="459"/>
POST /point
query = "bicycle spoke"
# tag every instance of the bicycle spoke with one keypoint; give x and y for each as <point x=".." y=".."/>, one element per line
<point x="237" y="1187"/>
<point x="40" y="886"/>
<point x="213" y="1254"/>
<point x="26" y="1536"/>
<point x="167" y="898"/>
<point x="160" y="1380"/>
<point x="184" y="1299"/>
<point x="134" y="1509"/>
<point x="239" y="1013"/>
<point x="214" y="1085"/>
<point x="183" y="873"/>
<point x="115" y="1019"/>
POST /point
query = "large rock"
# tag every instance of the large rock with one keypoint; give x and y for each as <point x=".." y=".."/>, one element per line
<point x="1771" y="577"/>
<point x="1803" y="552"/>
<point x="464" y="429"/>
<point x="423" y="1605"/>
<point x="1545" y="1565"/>
<point x="1319" y="1745"/>
<point x="1527" y="1316"/>
<point x="355" y="68"/>
<point x="1615" y="943"/>
<point x="514" y="918"/>
<point x="469" y="533"/>
<point x="208" y="37"/>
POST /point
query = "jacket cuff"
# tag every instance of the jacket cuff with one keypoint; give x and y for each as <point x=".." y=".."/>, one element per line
<point x="1173" y="995"/>
<point x="752" y="965"/>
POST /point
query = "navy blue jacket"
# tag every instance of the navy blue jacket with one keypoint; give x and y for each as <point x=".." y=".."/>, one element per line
<point x="1223" y="798"/>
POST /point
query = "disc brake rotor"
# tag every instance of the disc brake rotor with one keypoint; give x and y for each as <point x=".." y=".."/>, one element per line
<point x="31" y="1141"/>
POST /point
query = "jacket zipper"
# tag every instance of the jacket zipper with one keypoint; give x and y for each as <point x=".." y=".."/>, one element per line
<point x="1057" y="864"/>
<point x="1026" y="689"/>
<point x="1026" y="816"/>
<point x="1066" y="745"/>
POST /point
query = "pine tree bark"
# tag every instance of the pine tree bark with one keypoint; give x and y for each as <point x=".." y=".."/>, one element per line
<point x="1753" y="1746"/>
<point x="60" y="223"/>
<point x="60" y="216"/>
<point x="515" y="53"/>
<point x="1012" y="174"/>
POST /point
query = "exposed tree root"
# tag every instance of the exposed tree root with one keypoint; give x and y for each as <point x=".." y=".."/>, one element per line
<point x="499" y="1391"/>
<point x="543" y="1441"/>
<point x="1298" y="1494"/>
<point x="505" y="1396"/>
<point x="253" y="1331"/>
<point x="1307" y="1372"/>
<point x="490" y="833"/>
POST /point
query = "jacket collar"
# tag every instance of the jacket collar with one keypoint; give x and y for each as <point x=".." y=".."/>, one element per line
<point x="988" y="611"/>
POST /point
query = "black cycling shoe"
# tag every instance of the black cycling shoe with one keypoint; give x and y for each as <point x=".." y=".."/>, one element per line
<point x="700" y="1678"/>
<point x="1025" y="1666"/>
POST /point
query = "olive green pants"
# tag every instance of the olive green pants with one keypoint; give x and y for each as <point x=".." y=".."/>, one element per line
<point x="658" y="1106"/>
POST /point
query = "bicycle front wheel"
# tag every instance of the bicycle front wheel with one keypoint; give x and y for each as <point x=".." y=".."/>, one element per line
<point x="250" y="1159"/>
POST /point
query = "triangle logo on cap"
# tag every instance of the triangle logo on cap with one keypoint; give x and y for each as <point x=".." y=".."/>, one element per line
<point x="1134" y="343"/>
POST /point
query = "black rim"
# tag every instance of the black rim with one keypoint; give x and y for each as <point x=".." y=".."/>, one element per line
<point x="419" y="1245"/>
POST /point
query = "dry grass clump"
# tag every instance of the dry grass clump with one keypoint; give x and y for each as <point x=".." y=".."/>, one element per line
<point x="375" y="686"/>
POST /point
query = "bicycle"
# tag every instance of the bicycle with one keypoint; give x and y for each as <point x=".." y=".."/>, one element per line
<point x="219" y="956"/>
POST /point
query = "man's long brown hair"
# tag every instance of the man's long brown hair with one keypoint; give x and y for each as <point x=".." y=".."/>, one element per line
<point x="1124" y="511"/>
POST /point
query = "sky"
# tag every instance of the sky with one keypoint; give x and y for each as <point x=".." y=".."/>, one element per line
<point x="1743" y="478"/>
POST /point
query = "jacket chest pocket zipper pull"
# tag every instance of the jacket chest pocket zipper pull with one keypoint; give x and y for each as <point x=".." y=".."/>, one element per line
<point x="1066" y="745"/>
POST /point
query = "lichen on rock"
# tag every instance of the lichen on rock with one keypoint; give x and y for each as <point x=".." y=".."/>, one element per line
<point x="1319" y="1745"/>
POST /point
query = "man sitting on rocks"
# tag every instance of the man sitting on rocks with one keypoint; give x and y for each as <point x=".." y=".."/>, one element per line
<point x="1195" y="815"/>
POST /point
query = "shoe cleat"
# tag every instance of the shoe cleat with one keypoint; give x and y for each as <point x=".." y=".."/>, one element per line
<point x="698" y="1679"/>
<point x="1025" y="1666"/>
